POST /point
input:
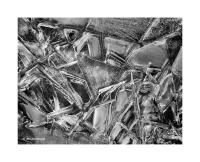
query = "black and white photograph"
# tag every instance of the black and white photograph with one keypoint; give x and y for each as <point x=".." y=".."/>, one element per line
<point x="100" y="80"/>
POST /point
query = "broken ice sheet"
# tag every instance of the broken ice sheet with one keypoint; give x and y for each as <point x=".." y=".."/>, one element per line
<point x="100" y="81"/>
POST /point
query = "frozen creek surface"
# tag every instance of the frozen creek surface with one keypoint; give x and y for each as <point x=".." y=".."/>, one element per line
<point x="100" y="81"/>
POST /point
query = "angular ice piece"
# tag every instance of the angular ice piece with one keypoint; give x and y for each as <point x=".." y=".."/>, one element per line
<point x="121" y="136"/>
<point x="154" y="54"/>
<point x="177" y="65"/>
<point x="128" y="118"/>
<point x="92" y="43"/>
<point x="118" y="46"/>
<point x="114" y="60"/>
<point x="66" y="54"/>
<point x="115" y="131"/>
<point x="122" y="100"/>
<point x="100" y="119"/>
<point x="71" y="34"/>
<point x="98" y="74"/>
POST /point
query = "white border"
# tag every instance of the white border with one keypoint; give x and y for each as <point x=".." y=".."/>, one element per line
<point x="10" y="10"/>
